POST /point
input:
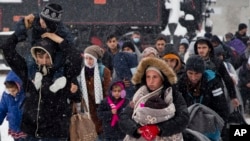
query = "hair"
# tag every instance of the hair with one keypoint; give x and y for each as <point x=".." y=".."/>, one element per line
<point x="137" y="33"/>
<point x="10" y="84"/>
<point x="111" y="36"/>
<point x="38" y="50"/>
<point x="161" y="37"/>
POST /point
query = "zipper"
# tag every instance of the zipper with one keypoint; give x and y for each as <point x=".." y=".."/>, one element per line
<point x="38" y="111"/>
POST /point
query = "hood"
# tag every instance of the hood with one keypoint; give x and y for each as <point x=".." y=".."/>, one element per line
<point x="154" y="62"/>
<point x="11" y="76"/>
<point x="47" y="45"/>
<point x="206" y="41"/>
<point x="173" y="55"/>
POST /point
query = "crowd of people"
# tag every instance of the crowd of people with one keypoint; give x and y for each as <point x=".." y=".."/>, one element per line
<point x="132" y="92"/>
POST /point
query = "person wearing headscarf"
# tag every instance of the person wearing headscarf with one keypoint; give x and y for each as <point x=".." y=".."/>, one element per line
<point x="157" y="111"/>
<point x="94" y="81"/>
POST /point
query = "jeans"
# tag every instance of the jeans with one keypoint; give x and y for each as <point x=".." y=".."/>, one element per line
<point x="32" y="138"/>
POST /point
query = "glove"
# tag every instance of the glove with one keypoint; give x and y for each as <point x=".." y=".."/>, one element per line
<point x="20" y="30"/>
<point x="155" y="102"/>
<point x="149" y="132"/>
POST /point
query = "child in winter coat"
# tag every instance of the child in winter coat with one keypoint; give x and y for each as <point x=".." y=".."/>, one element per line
<point x="47" y="21"/>
<point x="11" y="105"/>
<point x="109" y="110"/>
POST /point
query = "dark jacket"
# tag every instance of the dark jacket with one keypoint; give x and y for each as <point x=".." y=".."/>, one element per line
<point x="244" y="78"/>
<point x="11" y="107"/>
<point x="213" y="63"/>
<point x="210" y="94"/>
<point x="123" y="64"/>
<point x="105" y="115"/>
<point x="53" y="109"/>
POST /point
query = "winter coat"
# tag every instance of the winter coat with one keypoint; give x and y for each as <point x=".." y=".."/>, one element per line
<point x="124" y="63"/>
<point x="209" y="93"/>
<point x="244" y="78"/>
<point x="11" y="107"/>
<point x="105" y="115"/>
<point x="168" y="127"/>
<point x="218" y="67"/>
<point x="62" y="31"/>
<point x="91" y="103"/>
<point x="53" y="109"/>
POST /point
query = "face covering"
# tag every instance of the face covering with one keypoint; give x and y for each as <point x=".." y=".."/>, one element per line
<point x="136" y="40"/>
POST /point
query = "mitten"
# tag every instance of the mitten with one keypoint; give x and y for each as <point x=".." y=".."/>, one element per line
<point x="149" y="132"/>
<point x="20" y="30"/>
<point x="155" y="102"/>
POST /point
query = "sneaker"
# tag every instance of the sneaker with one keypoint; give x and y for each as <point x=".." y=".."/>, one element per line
<point x="58" y="84"/>
<point x="38" y="80"/>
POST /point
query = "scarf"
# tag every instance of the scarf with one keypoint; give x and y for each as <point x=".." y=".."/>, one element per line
<point x="97" y="86"/>
<point x="117" y="106"/>
<point x="145" y="115"/>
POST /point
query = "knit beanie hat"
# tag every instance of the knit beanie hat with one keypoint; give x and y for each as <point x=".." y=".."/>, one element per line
<point x="156" y="70"/>
<point x="94" y="51"/>
<point x="52" y="12"/>
<point x="122" y="86"/>
<point x="195" y="63"/>
<point x="128" y="44"/>
<point x="150" y="50"/>
<point x="242" y="26"/>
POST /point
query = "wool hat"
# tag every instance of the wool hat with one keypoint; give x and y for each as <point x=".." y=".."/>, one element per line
<point x="128" y="44"/>
<point x="122" y="86"/>
<point x="52" y="12"/>
<point x="195" y="63"/>
<point x="150" y="50"/>
<point x="94" y="51"/>
<point x="184" y="41"/>
<point x="46" y="45"/>
<point x="156" y="70"/>
<point x="242" y="26"/>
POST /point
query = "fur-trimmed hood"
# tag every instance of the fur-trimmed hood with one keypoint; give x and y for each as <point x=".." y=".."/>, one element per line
<point x="155" y="62"/>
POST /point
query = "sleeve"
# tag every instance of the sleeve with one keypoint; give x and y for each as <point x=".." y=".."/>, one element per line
<point x="218" y="101"/>
<point x="3" y="108"/>
<point x="227" y="79"/>
<point x="179" y="122"/>
<point x="104" y="112"/>
<point x="127" y="124"/>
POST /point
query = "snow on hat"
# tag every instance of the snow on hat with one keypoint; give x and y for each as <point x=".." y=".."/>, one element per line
<point x="94" y="51"/>
<point x="150" y="50"/>
<point x="242" y="26"/>
<point x="52" y="12"/>
<point x="195" y="63"/>
<point x="128" y="44"/>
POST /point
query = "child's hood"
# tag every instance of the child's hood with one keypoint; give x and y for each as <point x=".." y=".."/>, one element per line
<point x="12" y="76"/>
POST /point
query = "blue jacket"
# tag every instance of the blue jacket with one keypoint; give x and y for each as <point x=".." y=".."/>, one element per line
<point x="12" y="106"/>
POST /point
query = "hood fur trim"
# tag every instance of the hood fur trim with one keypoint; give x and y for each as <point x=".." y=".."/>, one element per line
<point x="155" y="62"/>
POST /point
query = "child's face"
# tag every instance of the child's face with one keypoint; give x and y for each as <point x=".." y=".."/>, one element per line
<point x="12" y="91"/>
<point x="112" y="43"/>
<point x="43" y="59"/>
<point x="127" y="49"/>
<point x="182" y="49"/>
<point x="116" y="91"/>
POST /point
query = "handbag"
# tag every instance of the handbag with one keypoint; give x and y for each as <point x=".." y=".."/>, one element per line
<point x="82" y="128"/>
<point x="236" y="117"/>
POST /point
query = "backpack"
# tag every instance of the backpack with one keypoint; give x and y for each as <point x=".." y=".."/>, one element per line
<point x="192" y="135"/>
<point x="206" y="121"/>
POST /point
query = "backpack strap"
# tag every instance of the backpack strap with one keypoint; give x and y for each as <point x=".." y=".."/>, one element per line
<point x="101" y="70"/>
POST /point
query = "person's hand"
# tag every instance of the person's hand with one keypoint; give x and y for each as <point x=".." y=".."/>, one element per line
<point x="149" y="132"/>
<point x="73" y="88"/>
<point x="114" y="111"/>
<point x="28" y="20"/>
<point x="235" y="102"/>
<point x="126" y="82"/>
<point x="54" y="37"/>
<point x="248" y="85"/>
